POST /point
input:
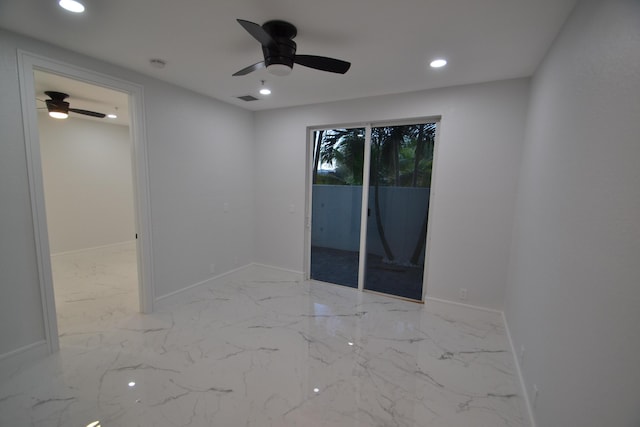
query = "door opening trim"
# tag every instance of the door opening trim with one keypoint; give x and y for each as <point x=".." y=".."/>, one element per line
<point x="27" y="62"/>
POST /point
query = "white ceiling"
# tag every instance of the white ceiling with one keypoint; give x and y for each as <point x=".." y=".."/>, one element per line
<point x="388" y="42"/>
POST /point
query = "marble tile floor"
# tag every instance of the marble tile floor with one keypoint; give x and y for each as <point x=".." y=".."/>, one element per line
<point x="94" y="287"/>
<point x="259" y="348"/>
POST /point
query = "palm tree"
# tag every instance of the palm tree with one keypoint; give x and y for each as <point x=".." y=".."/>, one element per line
<point x="345" y="148"/>
<point x="318" y="139"/>
<point x="349" y="156"/>
<point x="400" y="156"/>
<point x="380" y="138"/>
<point x="425" y="142"/>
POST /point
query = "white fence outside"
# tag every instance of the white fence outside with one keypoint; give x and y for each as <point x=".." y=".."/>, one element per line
<point x="336" y="219"/>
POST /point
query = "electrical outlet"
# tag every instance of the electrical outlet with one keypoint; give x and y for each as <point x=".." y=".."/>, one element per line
<point x="534" y="397"/>
<point x="212" y="268"/>
<point x="463" y="293"/>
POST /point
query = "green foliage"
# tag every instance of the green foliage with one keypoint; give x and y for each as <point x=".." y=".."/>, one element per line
<point x="401" y="155"/>
<point x="344" y="148"/>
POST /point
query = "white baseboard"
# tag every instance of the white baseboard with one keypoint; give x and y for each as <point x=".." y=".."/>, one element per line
<point x="286" y="270"/>
<point x="235" y="270"/>
<point x="203" y="282"/>
<point x="461" y="304"/>
<point x="110" y="245"/>
<point x="12" y="361"/>
<point x="523" y="387"/>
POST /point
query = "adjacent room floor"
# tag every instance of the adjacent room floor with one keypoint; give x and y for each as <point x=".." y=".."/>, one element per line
<point x="94" y="287"/>
<point x="259" y="348"/>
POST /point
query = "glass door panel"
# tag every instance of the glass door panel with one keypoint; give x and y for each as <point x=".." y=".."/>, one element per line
<point x="336" y="204"/>
<point x="399" y="188"/>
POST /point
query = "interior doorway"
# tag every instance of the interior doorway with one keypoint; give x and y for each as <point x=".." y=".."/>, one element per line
<point x="370" y="190"/>
<point x="88" y="189"/>
<point x="28" y="64"/>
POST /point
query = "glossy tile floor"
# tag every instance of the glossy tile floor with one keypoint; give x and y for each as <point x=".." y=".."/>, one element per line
<point x="94" y="287"/>
<point x="260" y="349"/>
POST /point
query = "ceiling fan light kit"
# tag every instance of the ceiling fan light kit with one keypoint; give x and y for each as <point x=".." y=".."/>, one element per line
<point x="279" y="69"/>
<point x="56" y="114"/>
<point x="279" y="50"/>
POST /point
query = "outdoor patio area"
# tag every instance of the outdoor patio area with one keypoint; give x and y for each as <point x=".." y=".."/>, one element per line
<point x="341" y="267"/>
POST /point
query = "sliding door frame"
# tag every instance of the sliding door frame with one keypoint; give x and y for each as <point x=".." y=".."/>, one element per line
<point x="366" y="172"/>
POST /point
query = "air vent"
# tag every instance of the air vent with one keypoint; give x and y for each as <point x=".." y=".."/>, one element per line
<point x="248" y="98"/>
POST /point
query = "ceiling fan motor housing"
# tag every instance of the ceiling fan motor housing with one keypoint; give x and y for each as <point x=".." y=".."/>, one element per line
<point x="284" y="50"/>
<point x="57" y="105"/>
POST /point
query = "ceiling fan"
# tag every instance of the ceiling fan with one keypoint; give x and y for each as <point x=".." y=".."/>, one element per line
<point x="59" y="109"/>
<point x="279" y="49"/>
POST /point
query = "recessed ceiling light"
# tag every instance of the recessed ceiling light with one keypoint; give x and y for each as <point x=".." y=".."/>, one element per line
<point x="438" y="63"/>
<point x="72" y="6"/>
<point x="265" y="90"/>
<point x="112" y="116"/>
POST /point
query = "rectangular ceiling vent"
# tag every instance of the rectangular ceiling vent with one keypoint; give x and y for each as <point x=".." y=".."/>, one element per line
<point x="248" y="98"/>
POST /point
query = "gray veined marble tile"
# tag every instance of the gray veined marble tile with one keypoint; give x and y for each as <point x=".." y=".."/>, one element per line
<point x="259" y="348"/>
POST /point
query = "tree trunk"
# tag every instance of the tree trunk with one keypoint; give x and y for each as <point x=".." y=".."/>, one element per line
<point x="396" y="161"/>
<point x="379" y="226"/>
<point x="316" y="155"/>
<point x="418" y="155"/>
<point x="422" y="237"/>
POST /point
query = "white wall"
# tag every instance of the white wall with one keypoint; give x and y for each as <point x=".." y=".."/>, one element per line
<point x="573" y="298"/>
<point x="200" y="153"/>
<point x="474" y="184"/>
<point x="88" y="183"/>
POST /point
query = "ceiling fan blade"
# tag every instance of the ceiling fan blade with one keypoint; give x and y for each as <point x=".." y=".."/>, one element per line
<point x="250" y="68"/>
<point x="257" y="32"/>
<point x="323" y="63"/>
<point x="88" y="113"/>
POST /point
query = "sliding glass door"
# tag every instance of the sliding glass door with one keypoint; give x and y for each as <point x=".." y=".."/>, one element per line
<point x="336" y="205"/>
<point x="399" y="190"/>
<point x="376" y="239"/>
